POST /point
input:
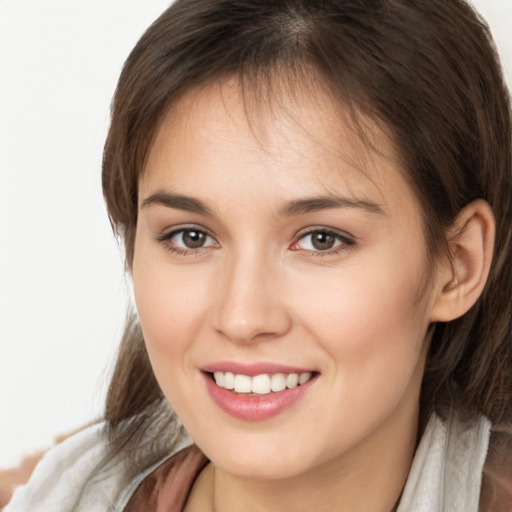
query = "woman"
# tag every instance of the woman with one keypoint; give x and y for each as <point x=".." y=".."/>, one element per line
<point x="314" y="199"/>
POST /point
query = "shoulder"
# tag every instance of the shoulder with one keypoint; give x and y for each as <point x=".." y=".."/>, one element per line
<point x="75" y="476"/>
<point x="62" y="473"/>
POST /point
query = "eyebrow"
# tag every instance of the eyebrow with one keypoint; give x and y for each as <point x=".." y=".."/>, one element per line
<point x="291" y="209"/>
<point x="178" y="202"/>
<point x="308" y="205"/>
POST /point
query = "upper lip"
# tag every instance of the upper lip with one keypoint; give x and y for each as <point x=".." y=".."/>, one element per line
<point x="252" y="369"/>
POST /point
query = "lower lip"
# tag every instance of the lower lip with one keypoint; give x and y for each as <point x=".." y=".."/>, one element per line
<point x="255" y="407"/>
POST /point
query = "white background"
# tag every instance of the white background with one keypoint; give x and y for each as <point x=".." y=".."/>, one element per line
<point x="62" y="291"/>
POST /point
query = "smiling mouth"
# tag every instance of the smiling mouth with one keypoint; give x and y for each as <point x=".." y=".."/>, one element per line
<point x="262" y="384"/>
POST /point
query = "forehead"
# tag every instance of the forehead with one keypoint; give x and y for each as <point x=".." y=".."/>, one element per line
<point x="300" y="140"/>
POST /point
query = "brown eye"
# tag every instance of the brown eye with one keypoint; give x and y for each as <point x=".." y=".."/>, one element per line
<point x="188" y="239"/>
<point x="322" y="241"/>
<point x="193" y="239"/>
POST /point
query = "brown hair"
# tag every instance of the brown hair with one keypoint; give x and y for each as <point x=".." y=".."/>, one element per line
<point x="426" y="69"/>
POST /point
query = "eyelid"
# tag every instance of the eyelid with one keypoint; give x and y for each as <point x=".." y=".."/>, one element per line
<point x="170" y="232"/>
<point x="165" y="239"/>
<point x="345" y="238"/>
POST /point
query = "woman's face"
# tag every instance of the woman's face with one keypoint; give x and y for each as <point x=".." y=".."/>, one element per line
<point x="277" y="250"/>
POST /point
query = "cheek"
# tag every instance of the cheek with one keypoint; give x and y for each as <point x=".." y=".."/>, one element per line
<point x="373" y="325"/>
<point x="364" y="301"/>
<point x="170" y="314"/>
<point x="168" y="301"/>
<point x="170" y="306"/>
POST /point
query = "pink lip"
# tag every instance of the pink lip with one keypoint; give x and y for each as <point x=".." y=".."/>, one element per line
<point x="252" y="369"/>
<point x="255" y="407"/>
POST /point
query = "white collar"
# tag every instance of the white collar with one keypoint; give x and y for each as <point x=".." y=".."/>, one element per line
<point x="446" y="473"/>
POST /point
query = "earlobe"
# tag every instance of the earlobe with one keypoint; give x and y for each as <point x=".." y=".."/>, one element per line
<point x="461" y="279"/>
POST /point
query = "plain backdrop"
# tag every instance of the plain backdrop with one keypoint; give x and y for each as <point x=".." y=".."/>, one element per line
<point x="63" y="294"/>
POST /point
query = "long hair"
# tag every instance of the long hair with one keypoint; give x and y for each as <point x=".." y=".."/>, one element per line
<point x="425" y="69"/>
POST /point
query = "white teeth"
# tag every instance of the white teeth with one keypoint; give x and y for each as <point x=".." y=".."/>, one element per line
<point x="261" y="384"/>
<point x="278" y="382"/>
<point x="304" y="377"/>
<point x="229" y="380"/>
<point x="219" y="378"/>
<point x="292" y="380"/>
<point x="243" y="384"/>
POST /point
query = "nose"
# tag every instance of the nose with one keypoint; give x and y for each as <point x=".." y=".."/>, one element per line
<point x="251" y="304"/>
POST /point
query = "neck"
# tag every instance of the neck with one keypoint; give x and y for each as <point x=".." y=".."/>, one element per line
<point x="369" y="477"/>
<point x="352" y="491"/>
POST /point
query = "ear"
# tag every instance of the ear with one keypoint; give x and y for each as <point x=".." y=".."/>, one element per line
<point x="462" y="275"/>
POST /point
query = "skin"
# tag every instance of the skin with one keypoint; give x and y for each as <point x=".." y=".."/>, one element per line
<point x="258" y="290"/>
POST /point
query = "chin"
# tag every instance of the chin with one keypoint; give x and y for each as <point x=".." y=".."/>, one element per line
<point x="261" y="468"/>
<point x="260" y="457"/>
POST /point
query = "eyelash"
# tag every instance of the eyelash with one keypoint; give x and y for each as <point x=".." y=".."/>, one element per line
<point x="166" y="241"/>
<point x="343" y="242"/>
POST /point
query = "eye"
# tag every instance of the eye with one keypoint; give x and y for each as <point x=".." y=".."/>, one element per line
<point x="191" y="239"/>
<point x="188" y="239"/>
<point x="322" y="240"/>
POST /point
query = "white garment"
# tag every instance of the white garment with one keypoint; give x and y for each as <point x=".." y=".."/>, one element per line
<point x="445" y="475"/>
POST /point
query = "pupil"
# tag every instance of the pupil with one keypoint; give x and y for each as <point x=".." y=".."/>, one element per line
<point x="323" y="241"/>
<point x="193" y="239"/>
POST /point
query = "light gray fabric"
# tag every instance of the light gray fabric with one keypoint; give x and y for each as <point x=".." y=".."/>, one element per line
<point x="445" y="475"/>
<point x="67" y="472"/>
<point x="60" y="476"/>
